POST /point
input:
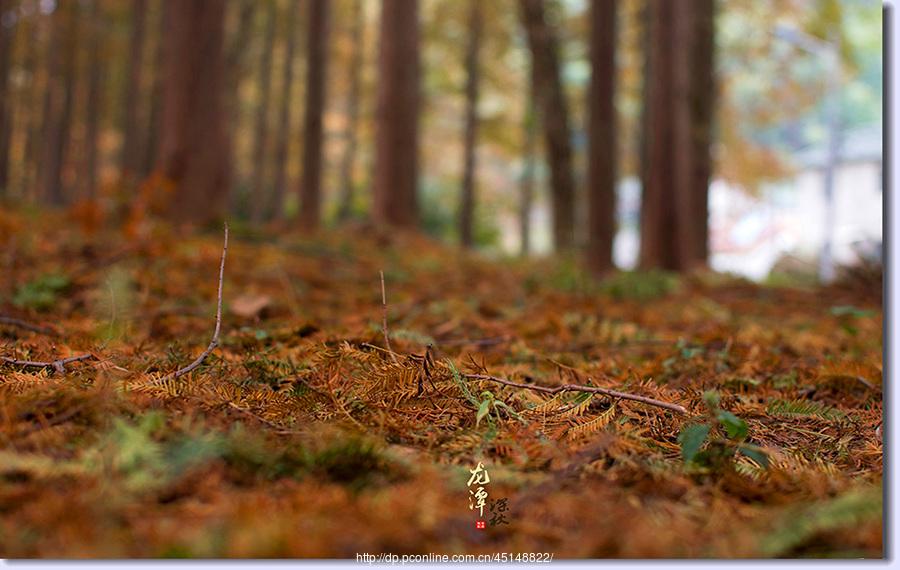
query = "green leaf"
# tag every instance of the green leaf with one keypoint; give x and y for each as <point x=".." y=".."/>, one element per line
<point x="850" y="310"/>
<point x="711" y="397"/>
<point x="691" y="439"/>
<point x="483" y="410"/>
<point x="735" y="427"/>
<point x="755" y="453"/>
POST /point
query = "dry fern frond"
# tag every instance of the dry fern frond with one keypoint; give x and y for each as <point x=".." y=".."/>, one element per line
<point x="593" y="425"/>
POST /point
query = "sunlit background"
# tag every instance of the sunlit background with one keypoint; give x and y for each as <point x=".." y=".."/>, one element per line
<point x="799" y="104"/>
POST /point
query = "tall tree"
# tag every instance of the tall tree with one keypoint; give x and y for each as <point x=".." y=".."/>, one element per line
<point x="316" y="78"/>
<point x="92" y="114"/>
<point x="467" y="199"/>
<point x="527" y="182"/>
<point x="276" y="208"/>
<point x="702" y="99"/>
<point x="555" y="118"/>
<point x="678" y="106"/>
<point x="151" y="147"/>
<point x="6" y="33"/>
<point x="601" y="134"/>
<point x="194" y="148"/>
<point x="348" y="160"/>
<point x="58" y="101"/>
<point x="397" y="117"/>
<point x="131" y="151"/>
<point x="235" y="62"/>
<point x="33" y="61"/>
<point x="261" y="131"/>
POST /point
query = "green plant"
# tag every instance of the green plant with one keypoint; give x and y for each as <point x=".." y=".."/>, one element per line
<point x="41" y="293"/>
<point x="484" y="405"/>
<point x="847" y="316"/>
<point x="640" y="285"/>
<point x="714" y="442"/>
<point x="489" y="403"/>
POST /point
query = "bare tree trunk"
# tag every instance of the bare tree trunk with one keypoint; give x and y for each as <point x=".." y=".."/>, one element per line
<point x="316" y="77"/>
<point x="348" y="161"/>
<point x="527" y="185"/>
<point x="679" y="95"/>
<point x="33" y="62"/>
<point x="467" y="202"/>
<point x="658" y="248"/>
<point x="194" y="148"/>
<point x="234" y="70"/>
<point x="602" y="137"/>
<point x="396" y="139"/>
<point x="554" y="111"/>
<point x="95" y="70"/>
<point x="58" y="101"/>
<point x="131" y="152"/>
<point x="6" y="35"/>
<point x="261" y="136"/>
<point x="276" y="209"/>
<point x="702" y="105"/>
<point x="156" y="93"/>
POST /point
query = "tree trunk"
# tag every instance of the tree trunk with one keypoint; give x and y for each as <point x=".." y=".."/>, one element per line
<point x="316" y="77"/>
<point x="194" y="149"/>
<point x="396" y="140"/>
<point x="33" y="62"/>
<point x="602" y="137"/>
<point x="679" y="95"/>
<point x="702" y="101"/>
<point x="555" y="118"/>
<point x="234" y="70"/>
<point x="156" y="93"/>
<point x="529" y="152"/>
<point x="658" y="229"/>
<point x="58" y="101"/>
<point x="261" y="136"/>
<point x="131" y="152"/>
<point x="348" y="161"/>
<point x="467" y="202"/>
<point x="276" y="208"/>
<point x="95" y="70"/>
<point x="6" y="35"/>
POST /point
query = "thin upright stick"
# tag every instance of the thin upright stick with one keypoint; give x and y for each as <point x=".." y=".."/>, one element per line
<point x="579" y="388"/>
<point x="384" y="327"/>
<point x="215" y="338"/>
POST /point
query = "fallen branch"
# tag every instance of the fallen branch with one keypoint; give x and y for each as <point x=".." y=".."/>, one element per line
<point x="57" y="365"/>
<point x="384" y="327"/>
<point x="580" y="388"/>
<point x="27" y="326"/>
<point x="215" y="338"/>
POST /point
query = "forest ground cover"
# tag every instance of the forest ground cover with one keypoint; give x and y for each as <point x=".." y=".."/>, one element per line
<point x="305" y="434"/>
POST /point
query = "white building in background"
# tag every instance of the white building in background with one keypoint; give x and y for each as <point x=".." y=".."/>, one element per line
<point x="750" y="232"/>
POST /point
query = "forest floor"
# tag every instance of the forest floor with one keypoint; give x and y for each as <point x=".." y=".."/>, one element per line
<point x="304" y="434"/>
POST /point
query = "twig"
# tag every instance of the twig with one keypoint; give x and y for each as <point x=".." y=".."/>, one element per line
<point x="215" y="338"/>
<point x="57" y="365"/>
<point x="26" y="325"/>
<point x="384" y="327"/>
<point x="579" y="388"/>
